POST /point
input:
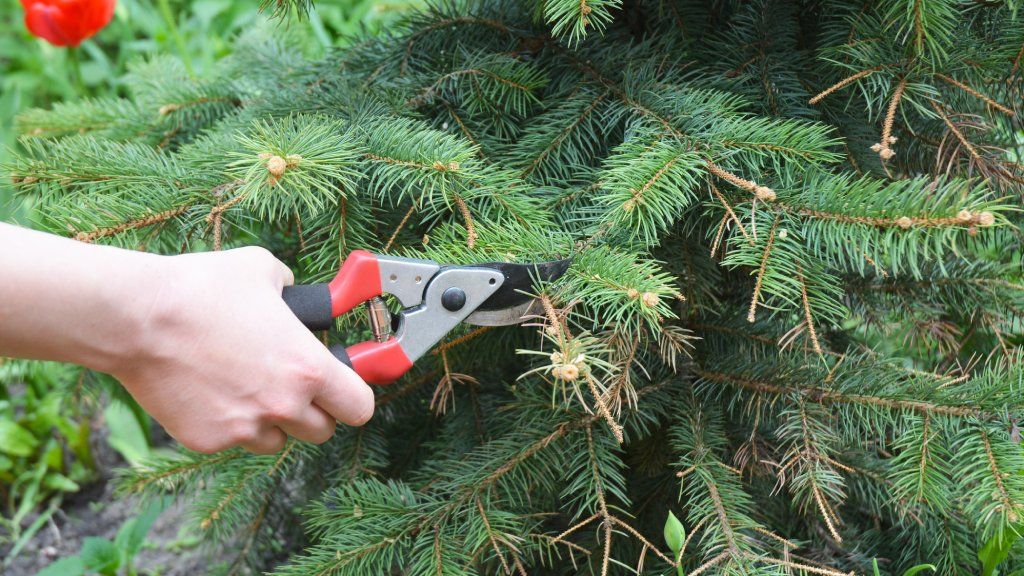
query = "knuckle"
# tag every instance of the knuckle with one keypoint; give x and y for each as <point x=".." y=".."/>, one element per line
<point x="276" y="445"/>
<point x="309" y="374"/>
<point x="240" y="433"/>
<point x="256" y="252"/>
<point x="323" y="435"/>
<point x="261" y="257"/>
<point x="282" y="410"/>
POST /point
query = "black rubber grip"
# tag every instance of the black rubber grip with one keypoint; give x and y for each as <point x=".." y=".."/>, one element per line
<point x="311" y="303"/>
<point x="341" y="354"/>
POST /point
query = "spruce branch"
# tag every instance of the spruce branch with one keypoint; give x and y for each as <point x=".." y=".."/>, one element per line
<point x="143" y="222"/>
<point x="992" y="103"/>
<point x="758" y="283"/>
<point x="843" y="83"/>
<point x="884" y="146"/>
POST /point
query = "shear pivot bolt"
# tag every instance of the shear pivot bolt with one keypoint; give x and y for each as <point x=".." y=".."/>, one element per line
<point x="453" y="299"/>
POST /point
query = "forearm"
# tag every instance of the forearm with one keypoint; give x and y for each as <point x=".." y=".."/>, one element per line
<point x="73" y="302"/>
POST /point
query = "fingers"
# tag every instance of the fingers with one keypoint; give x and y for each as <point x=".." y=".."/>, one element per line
<point x="269" y="440"/>
<point x="313" y="425"/>
<point x="344" y="395"/>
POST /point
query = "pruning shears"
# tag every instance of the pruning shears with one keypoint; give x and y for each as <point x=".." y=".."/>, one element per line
<point x="435" y="298"/>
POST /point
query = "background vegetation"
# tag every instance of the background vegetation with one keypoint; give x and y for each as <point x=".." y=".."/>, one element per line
<point x="35" y="74"/>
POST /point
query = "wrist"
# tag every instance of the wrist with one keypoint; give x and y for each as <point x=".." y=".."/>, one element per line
<point x="133" y="307"/>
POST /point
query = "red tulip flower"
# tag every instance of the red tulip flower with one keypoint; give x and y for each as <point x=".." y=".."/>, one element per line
<point x="67" y="22"/>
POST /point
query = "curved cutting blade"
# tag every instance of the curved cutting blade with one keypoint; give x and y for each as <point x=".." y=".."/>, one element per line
<point x="506" y="316"/>
<point x="512" y="304"/>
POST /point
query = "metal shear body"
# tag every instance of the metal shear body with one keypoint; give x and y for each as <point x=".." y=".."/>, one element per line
<point x="434" y="299"/>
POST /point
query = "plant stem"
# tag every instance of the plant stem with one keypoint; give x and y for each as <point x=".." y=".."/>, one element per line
<point x="172" y="25"/>
<point x="75" y="70"/>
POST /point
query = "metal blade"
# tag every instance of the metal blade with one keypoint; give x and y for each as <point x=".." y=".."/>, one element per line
<point x="519" y="279"/>
<point x="506" y="316"/>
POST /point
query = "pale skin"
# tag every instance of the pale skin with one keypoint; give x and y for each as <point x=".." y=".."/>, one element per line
<point x="202" y="341"/>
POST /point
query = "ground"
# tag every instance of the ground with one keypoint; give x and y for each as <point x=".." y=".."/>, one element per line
<point x="171" y="549"/>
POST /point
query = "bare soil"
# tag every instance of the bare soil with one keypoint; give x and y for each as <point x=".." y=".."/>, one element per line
<point x="171" y="548"/>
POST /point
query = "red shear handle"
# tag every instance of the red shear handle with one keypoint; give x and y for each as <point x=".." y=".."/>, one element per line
<point x="356" y="282"/>
<point x="375" y="362"/>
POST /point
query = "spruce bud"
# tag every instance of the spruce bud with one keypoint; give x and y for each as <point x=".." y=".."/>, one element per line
<point x="886" y="153"/>
<point x="985" y="218"/>
<point x="783" y="234"/>
<point x="764" y="193"/>
<point x="557" y="358"/>
<point x="168" y="108"/>
<point x="876" y="147"/>
<point x="276" y="165"/>
<point x="569" y="372"/>
<point x="964" y="216"/>
<point x="650" y="299"/>
<point x="904" y="222"/>
<point x="633" y="293"/>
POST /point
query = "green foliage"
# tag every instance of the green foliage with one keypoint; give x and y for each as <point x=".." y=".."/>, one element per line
<point x="35" y="74"/>
<point x="44" y="446"/>
<point x="908" y="572"/>
<point x="106" y="557"/>
<point x="793" y="314"/>
<point x="128" y="431"/>
<point x="997" y="549"/>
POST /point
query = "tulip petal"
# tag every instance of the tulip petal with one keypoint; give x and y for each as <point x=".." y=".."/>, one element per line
<point x="67" y="22"/>
<point x="47" y="22"/>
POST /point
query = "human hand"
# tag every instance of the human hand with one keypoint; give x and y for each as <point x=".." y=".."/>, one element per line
<point x="221" y="361"/>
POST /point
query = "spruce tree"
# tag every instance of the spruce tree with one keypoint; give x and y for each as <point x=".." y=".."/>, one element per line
<point x="792" y="321"/>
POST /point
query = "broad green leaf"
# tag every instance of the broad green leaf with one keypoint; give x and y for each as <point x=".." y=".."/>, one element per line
<point x="15" y="440"/>
<point x="997" y="549"/>
<point x="915" y="569"/>
<point x="70" y="566"/>
<point x="126" y="434"/>
<point x="54" y="454"/>
<point x="100" y="555"/>
<point x="58" y="481"/>
<point x="133" y="533"/>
